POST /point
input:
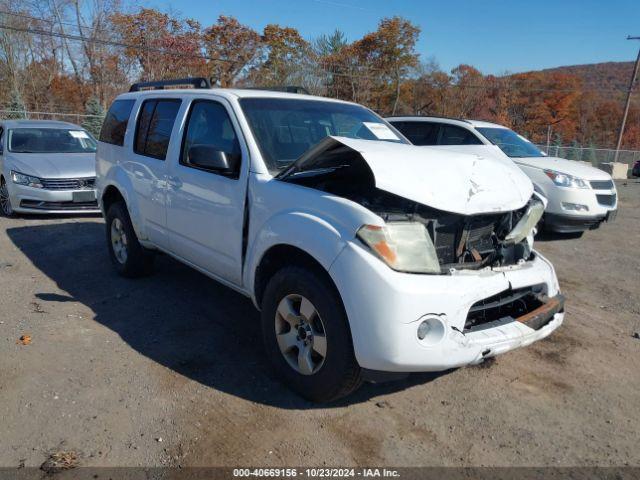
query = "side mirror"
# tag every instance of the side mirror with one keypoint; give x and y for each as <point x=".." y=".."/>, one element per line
<point x="210" y="158"/>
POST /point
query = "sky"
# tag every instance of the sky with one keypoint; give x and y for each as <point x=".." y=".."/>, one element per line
<point x="495" y="36"/>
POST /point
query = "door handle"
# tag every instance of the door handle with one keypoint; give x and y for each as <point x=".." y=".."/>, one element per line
<point x="174" y="182"/>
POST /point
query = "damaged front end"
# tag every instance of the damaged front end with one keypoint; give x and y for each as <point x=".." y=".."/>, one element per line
<point x="427" y="228"/>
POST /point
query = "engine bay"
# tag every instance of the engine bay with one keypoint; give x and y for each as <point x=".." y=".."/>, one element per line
<point x="461" y="241"/>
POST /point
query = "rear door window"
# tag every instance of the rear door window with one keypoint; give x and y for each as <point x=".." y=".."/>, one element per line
<point x="452" y="135"/>
<point x="115" y="123"/>
<point x="419" y="133"/>
<point x="155" y="124"/>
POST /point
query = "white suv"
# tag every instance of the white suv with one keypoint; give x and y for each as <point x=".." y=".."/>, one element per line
<point x="580" y="197"/>
<point x="365" y="254"/>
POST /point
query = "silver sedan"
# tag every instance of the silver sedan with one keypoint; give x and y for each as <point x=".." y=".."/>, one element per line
<point x="46" y="167"/>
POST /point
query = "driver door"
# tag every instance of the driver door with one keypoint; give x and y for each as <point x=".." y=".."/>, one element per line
<point x="205" y="208"/>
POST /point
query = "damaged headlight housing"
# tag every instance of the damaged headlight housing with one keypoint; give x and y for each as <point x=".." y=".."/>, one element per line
<point x="26" y="180"/>
<point x="565" y="180"/>
<point x="527" y="223"/>
<point x="403" y="246"/>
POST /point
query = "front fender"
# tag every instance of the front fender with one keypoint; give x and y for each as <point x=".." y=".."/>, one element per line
<point x="306" y="231"/>
<point x="116" y="177"/>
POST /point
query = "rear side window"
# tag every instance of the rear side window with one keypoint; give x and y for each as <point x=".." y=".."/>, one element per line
<point x="452" y="135"/>
<point x="115" y="123"/>
<point x="419" y="133"/>
<point x="155" y="123"/>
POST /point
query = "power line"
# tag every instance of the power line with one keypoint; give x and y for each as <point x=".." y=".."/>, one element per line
<point x="99" y="41"/>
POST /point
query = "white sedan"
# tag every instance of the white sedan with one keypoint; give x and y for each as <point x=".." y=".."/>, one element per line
<point x="580" y="197"/>
<point x="46" y="167"/>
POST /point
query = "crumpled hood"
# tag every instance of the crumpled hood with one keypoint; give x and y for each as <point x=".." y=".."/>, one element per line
<point x="577" y="169"/>
<point x="53" y="165"/>
<point x="462" y="183"/>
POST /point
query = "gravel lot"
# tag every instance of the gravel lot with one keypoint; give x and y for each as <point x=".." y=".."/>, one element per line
<point x="169" y="370"/>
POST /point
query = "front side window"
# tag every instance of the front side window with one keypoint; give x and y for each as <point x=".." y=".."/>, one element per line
<point x="155" y="124"/>
<point x="209" y="124"/>
<point x="50" y="140"/>
<point x="512" y="144"/>
<point x="115" y="123"/>
<point x="452" y="135"/>
<point x="285" y="128"/>
<point x="419" y="133"/>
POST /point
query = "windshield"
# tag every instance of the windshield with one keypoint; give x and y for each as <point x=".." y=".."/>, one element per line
<point x="512" y="144"/>
<point x="286" y="128"/>
<point x="50" y="140"/>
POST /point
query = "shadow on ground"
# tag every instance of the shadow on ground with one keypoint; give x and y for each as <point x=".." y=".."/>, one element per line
<point x="177" y="317"/>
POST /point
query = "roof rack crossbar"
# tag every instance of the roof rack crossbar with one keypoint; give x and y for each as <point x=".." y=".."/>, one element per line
<point x="195" y="82"/>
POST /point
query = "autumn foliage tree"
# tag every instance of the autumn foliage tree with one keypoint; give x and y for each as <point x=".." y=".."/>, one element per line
<point x="112" y="47"/>
<point x="234" y="47"/>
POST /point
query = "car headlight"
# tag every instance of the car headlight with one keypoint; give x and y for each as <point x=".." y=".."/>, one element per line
<point x="527" y="223"/>
<point x="27" y="180"/>
<point x="566" y="180"/>
<point x="403" y="246"/>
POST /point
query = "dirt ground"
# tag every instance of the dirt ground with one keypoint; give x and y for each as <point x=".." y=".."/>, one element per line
<point x="169" y="370"/>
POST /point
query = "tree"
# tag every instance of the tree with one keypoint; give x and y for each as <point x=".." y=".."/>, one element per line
<point x="15" y="107"/>
<point x="327" y="45"/>
<point x="467" y="92"/>
<point x="93" y="123"/>
<point x="390" y="54"/>
<point x="234" y="46"/>
<point x="152" y="33"/>
<point x="287" y="56"/>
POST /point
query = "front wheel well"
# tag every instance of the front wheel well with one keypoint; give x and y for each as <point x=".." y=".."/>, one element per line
<point x="110" y="196"/>
<point x="280" y="256"/>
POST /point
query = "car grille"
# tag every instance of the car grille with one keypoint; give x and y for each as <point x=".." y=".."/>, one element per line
<point x="601" y="184"/>
<point x="68" y="183"/>
<point x="606" y="200"/>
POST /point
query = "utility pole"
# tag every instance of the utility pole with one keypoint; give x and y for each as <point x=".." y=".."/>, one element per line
<point x="626" y="106"/>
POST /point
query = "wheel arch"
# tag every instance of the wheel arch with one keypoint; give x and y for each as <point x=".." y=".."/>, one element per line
<point x="285" y="255"/>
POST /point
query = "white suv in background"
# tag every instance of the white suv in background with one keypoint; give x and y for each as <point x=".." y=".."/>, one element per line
<point x="365" y="254"/>
<point x="580" y="197"/>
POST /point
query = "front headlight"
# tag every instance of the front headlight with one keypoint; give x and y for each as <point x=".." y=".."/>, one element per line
<point x="404" y="246"/>
<point x="527" y="223"/>
<point x="27" y="180"/>
<point x="566" y="180"/>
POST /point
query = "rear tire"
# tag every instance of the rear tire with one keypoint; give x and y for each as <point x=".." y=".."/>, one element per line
<point x="129" y="257"/>
<point x="307" y="337"/>
<point x="6" y="209"/>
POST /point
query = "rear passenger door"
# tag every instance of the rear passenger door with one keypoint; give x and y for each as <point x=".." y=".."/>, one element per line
<point x="205" y="212"/>
<point x="148" y="168"/>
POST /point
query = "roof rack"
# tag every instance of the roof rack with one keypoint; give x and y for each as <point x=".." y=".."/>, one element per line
<point x="283" y="88"/>
<point x="430" y="116"/>
<point x="194" y="82"/>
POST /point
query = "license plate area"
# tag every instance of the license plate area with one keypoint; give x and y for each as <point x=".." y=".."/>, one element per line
<point x="84" y="197"/>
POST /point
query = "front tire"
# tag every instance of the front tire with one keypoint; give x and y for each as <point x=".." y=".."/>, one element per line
<point x="307" y="336"/>
<point x="130" y="259"/>
<point x="5" y="200"/>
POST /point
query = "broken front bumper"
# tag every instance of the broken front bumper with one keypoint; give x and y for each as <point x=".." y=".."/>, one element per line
<point x="387" y="308"/>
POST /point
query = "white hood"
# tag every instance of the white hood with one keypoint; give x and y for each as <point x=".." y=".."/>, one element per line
<point x="562" y="165"/>
<point x="466" y="184"/>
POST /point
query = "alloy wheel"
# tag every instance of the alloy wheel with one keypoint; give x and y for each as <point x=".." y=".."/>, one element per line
<point x="119" y="241"/>
<point x="5" y="201"/>
<point x="300" y="334"/>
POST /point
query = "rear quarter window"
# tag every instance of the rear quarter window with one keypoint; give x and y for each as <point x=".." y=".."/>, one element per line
<point x="419" y="133"/>
<point x="115" y="123"/>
